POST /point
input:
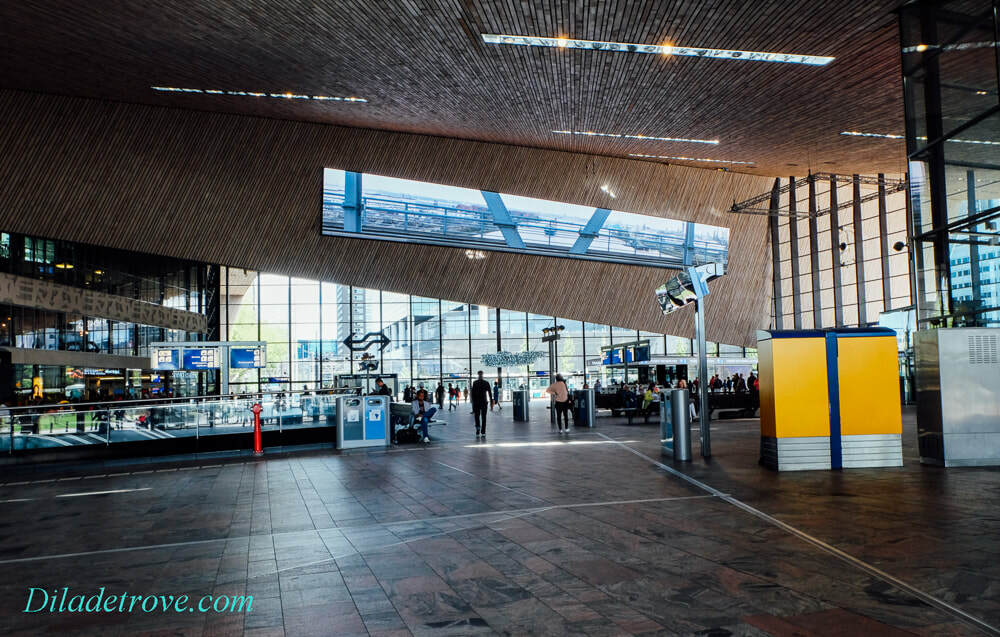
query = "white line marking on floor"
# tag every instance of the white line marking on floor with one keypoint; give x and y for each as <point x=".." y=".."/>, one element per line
<point x="832" y="550"/>
<point x="527" y="495"/>
<point x="501" y="512"/>
<point x="78" y="439"/>
<point x="16" y="500"/>
<point x="77" y="495"/>
<point x="55" y="440"/>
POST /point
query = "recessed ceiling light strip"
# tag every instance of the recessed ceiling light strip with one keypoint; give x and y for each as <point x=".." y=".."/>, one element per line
<point x="701" y="159"/>
<point x="661" y="49"/>
<point x="642" y="137"/>
<point x="854" y="133"/>
<point x="286" y="95"/>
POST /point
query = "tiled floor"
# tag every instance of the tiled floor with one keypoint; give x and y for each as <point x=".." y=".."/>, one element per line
<point x="527" y="533"/>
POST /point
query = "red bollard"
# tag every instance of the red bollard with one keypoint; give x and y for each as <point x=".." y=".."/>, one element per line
<point x="258" y="447"/>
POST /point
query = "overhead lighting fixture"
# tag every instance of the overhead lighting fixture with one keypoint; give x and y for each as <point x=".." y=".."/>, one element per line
<point x="288" y="95"/>
<point x="648" y="138"/>
<point x="63" y="265"/>
<point x="981" y="142"/>
<point x="658" y="49"/>
<point x="700" y="159"/>
<point x="607" y="190"/>
<point x="475" y="255"/>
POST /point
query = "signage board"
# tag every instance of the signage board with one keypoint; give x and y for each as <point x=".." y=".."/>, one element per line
<point x="201" y="358"/>
<point x="247" y="357"/>
<point x="166" y="359"/>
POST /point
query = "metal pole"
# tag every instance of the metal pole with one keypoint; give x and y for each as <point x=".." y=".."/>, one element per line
<point x="552" y="377"/>
<point x="699" y="329"/>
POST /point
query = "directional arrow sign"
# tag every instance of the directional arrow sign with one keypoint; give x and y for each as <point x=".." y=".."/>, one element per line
<point x="366" y="341"/>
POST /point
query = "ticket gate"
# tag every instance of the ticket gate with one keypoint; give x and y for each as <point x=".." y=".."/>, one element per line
<point x="362" y="421"/>
<point x="675" y="424"/>
<point x="522" y="400"/>
<point x="584" y="408"/>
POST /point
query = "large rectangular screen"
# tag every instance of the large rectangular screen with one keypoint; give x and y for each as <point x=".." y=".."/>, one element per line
<point x="392" y="209"/>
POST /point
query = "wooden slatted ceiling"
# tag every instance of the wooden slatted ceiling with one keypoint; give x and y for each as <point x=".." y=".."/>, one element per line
<point x="424" y="68"/>
<point x="247" y="192"/>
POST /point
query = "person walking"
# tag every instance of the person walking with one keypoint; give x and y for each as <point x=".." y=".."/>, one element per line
<point x="439" y="395"/>
<point x="482" y="396"/>
<point x="452" y="396"/>
<point x="561" y="403"/>
<point x="465" y="393"/>
<point x="496" y="395"/>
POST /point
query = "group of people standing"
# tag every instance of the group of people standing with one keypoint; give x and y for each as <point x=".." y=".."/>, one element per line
<point x="735" y="384"/>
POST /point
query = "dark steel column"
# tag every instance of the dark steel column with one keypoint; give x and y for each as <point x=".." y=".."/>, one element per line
<point x="859" y="254"/>
<point x="814" y="255"/>
<point x="970" y="181"/>
<point x="793" y="237"/>
<point x="775" y="255"/>
<point x="883" y="232"/>
<point x="838" y="293"/>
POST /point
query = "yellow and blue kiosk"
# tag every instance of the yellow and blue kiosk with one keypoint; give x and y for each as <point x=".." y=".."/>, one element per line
<point x="829" y="399"/>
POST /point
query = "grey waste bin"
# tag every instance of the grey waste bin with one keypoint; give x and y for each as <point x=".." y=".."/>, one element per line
<point x="680" y="420"/>
<point x="583" y="408"/>
<point x="362" y="421"/>
<point x="522" y="400"/>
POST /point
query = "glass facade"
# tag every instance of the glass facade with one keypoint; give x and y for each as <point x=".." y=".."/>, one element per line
<point x="174" y="283"/>
<point x="950" y="80"/>
<point x="387" y="208"/>
<point x="432" y="340"/>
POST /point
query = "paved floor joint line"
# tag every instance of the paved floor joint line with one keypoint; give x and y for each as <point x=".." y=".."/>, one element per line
<point x="832" y="550"/>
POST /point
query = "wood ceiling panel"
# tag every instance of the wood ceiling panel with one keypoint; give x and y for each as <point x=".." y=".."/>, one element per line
<point x="425" y="70"/>
<point x="247" y="192"/>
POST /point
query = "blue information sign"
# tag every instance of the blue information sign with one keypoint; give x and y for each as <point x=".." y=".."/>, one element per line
<point x="246" y="357"/>
<point x="206" y="358"/>
<point x="166" y="359"/>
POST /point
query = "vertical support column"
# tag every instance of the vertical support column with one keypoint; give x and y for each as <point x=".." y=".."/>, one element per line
<point x="689" y="243"/>
<point x="499" y="369"/>
<point x="936" y="161"/>
<point x="814" y="255"/>
<point x="352" y="202"/>
<point x="793" y="236"/>
<point x="970" y="181"/>
<point x="699" y="331"/>
<point x="859" y="254"/>
<point x="772" y="222"/>
<point x="838" y="293"/>
<point x="883" y="231"/>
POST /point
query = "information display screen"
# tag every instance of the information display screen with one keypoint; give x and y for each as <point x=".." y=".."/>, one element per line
<point x="206" y="358"/>
<point x="247" y="357"/>
<point x="166" y="359"/>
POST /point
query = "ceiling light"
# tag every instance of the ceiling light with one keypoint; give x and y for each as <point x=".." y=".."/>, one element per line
<point x="650" y="138"/>
<point x="921" y="48"/>
<point x="286" y="95"/>
<point x="701" y="159"/>
<point x="661" y="49"/>
<point x="981" y="142"/>
<point x="64" y="266"/>
<point x="606" y="189"/>
<point x="475" y="255"/>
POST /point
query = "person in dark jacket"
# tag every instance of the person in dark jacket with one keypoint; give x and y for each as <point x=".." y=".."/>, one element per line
<point x="382" y="389"/>
<point x="439" y="395"/>
<point x="482" y="396"/>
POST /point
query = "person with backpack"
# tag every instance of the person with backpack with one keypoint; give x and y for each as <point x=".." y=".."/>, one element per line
<point x="496" y="395"/>
<point x="452" y="397"/>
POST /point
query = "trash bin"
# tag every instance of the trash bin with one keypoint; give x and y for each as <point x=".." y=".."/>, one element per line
<point x="583" y="408"/>
<point x="362" y="421"/>
<point x="522" y="400"/>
